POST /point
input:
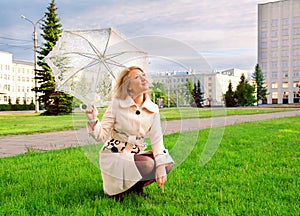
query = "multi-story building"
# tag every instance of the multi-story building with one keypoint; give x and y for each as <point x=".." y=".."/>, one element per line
<point x="279" y="49"/>
<point x="214" y="84"/>
<point x="16" y="80"/>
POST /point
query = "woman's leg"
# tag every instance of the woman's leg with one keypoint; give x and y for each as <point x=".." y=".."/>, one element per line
<point x="146" y="165"/>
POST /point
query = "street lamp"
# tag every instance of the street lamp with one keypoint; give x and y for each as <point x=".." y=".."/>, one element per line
<point x="35" y="58"/>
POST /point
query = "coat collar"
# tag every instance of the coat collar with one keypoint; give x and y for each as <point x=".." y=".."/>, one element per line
<point x="148" y="104"/>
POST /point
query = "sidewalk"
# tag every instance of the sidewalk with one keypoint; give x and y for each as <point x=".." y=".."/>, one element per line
<point x="19" y="144"/>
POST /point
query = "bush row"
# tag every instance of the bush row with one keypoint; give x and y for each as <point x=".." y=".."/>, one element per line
<point x="16" y="107"/>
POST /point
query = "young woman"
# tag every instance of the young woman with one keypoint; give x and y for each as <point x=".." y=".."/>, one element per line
<point x="130" y="117"/>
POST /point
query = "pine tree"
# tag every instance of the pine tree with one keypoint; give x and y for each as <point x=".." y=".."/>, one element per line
<point x="198" y="95"/>
<point x="245" y="93"/>
<point x="55" y="102"/>
<point x="230" y="97"/>
<point x="261" y="91"/>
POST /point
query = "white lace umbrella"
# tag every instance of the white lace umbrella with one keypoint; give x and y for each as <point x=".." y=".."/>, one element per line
<point x="86" y="62"/>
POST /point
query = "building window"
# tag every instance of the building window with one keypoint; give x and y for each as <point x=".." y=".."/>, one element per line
<point x="274" y="23"/>
<point x="296" y="31"/>
<point x="263" y="54"/>
<point x="263" y="35"/>
<point x="285" y="94"/>
<point x="285" y="53"/>
<point x="296" y="52"/>
<point x="296" y="63"/>
<point x="264" y="65"/>
<point x="274" y="44"/>
<point x="285" y="42"/>
<point x="285" y="32"/>
<point x="285" y="21"/>
<point x="274" y="64"/>
<point x="296" y="19"/>
<point x="285" y="85"/>
<point x="274" y="85"/>
<point x="296" y="84"/>
<point x="296" y="41"/>
<point x="274" y="94"/>
<point x="274" y="33"/>
<point x="285" y="63"/>
<point x="285" y="74"/>
<point x="274" y="54"/>
<point x="265" y="75"/>
<point x="263" y="44"/>
<point x="296" y="73"/>
<point x="274" y="74"/>
<point x="264" y="24"/>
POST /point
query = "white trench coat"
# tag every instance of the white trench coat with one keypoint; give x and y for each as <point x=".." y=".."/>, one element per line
<point x="122" y="122"/>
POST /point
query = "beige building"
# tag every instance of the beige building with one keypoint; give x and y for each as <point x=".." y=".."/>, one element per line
<point x="16" y="80"/>
<point x="279" y="49"/>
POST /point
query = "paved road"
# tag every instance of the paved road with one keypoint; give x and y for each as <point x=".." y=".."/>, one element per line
<point x="19" y="144"/>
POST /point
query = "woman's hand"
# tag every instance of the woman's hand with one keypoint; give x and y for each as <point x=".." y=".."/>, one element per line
<point x="91" y="112"/>
<point x="161" y="176"/>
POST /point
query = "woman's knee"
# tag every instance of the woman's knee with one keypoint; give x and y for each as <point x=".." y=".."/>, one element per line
<point x="144" y="164"/>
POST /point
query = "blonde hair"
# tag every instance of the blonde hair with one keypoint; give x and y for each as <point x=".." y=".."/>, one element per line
<point x="122" y="84"/>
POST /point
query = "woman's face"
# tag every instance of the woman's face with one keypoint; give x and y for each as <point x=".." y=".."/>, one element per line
<point x="138" y="82"/>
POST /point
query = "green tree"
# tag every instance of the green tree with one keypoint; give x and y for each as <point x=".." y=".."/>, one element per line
<point x="198" y="95"/>
<point x="158" y="90"/>
<point x="189" y="91"/>
<point x="261" y="90"/>
<point x="55" y="102"/>
<point x="230" y="97"/>
<point x="245" y="93"/>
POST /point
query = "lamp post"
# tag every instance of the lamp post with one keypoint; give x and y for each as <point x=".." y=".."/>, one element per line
<point x="34" y="58"/>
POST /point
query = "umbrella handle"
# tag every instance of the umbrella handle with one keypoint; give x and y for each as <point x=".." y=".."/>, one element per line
<point x="83" y="107"/>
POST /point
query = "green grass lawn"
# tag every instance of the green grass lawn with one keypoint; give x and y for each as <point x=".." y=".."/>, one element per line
<point x="35" y="123"/>
<point x="255" y="171"/>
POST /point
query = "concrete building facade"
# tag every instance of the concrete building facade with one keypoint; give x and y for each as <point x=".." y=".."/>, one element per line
<point x="16" y="80"/>
<point x="279" y="49"/>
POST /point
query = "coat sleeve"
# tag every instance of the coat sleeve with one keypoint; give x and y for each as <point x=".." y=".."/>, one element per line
<point x="161" y="154"/>
<point x="102" y="128"/>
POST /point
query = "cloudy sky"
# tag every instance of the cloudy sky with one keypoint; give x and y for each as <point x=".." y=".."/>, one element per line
<point x="224" y="32"/>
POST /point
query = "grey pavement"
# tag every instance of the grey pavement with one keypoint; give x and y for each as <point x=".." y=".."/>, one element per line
<point x="20" y="144"/>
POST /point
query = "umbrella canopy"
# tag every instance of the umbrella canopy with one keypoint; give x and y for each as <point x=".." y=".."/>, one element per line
<point x="85" y="63"/>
